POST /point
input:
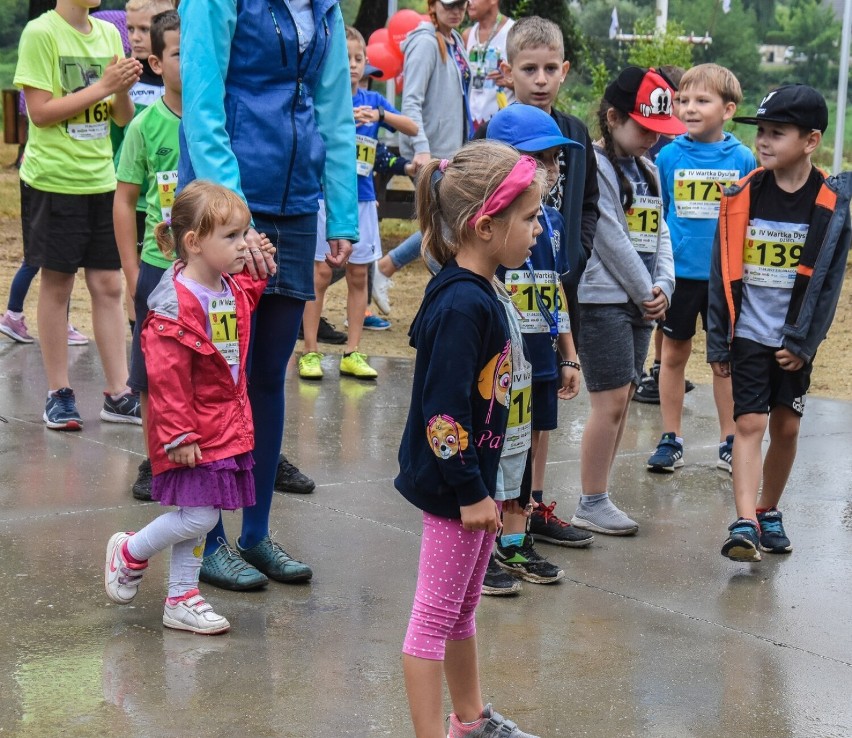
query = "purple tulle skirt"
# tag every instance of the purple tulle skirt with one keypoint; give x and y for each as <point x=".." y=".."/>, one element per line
<point x="227" y="484"/>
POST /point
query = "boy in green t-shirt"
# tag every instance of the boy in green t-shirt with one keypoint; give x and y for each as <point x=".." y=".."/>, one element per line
<point x="148" y="163"/>
<point x="75" y="80"/>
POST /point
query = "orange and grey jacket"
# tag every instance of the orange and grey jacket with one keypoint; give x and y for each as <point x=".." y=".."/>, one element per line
<point x="819" y="275"/>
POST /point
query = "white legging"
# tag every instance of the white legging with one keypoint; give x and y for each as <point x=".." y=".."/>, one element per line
<point x="184" y="530"/>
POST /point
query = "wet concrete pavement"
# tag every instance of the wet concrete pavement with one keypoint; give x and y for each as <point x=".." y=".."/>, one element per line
<point x="655" y="635"/>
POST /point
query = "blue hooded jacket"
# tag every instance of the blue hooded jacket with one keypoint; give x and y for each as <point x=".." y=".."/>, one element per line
<point x="692" y="238"/>
<point x="453" y="438"/>
<point x="283" y="128"/>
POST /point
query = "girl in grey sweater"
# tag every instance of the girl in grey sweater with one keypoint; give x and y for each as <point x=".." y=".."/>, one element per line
<point x="628" y="282"/>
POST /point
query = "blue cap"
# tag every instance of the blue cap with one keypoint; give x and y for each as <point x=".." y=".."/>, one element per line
<point x="527" y="128"/>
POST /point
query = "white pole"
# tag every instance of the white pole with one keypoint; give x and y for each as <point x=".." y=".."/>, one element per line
<point x="662" y="19"/>
<point x="842" y="84"/>
<point x="390" y="91"/>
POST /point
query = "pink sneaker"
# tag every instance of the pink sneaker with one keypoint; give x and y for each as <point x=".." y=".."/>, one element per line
<point x="75" y="338"/>
<point x="15" y="329"/>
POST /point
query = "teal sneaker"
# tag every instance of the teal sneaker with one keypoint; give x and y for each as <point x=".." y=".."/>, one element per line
<point x="270" y="558"/>
<point x="226" y="569"/>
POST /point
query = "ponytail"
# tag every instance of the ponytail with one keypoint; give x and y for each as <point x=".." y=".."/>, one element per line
<point x="435" y="242"/>
<point x="166" y="241"/>
<point x="624" y="186"/>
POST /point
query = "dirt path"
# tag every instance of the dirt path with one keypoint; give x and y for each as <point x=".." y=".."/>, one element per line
<point x="832" y="374"/>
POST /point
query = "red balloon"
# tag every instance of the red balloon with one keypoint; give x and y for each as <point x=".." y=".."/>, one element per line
<point x="426" y="17"/>
<point x="379" y="37"/>
<point x="381" y="57"/>
<point x="400" y="25"/>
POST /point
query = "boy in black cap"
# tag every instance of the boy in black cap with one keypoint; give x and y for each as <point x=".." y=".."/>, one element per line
<point x="778" y="263"/>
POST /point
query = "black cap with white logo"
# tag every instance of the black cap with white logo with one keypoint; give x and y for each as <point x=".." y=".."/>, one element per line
<point x="800" y="105"/>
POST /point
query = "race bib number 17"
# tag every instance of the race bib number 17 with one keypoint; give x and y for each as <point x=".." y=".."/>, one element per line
<point x="698" y="192"/>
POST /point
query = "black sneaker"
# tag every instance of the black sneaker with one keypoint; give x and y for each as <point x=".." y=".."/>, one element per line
<point x="327" y="333"/>
<point x="546" y="526"/>
<point x="141" y="489"/>
<point x="526" y="563"/>
<point x="648" y="391"/>
<point x="289" y="479"/>
<point x="773" y="539"/>
<point x="497" y="582"/>
<point x="743" y="542"/>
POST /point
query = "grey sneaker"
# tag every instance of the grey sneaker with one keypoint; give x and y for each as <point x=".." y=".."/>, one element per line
<point x="494" y="726"/>
<point x="603" y="517"/>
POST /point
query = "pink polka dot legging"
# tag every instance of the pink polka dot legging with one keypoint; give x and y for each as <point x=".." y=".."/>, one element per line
<point x="449" y="583"/>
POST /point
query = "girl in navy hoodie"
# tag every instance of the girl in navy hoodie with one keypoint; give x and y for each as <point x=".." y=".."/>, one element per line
<point x="476" y="212"/>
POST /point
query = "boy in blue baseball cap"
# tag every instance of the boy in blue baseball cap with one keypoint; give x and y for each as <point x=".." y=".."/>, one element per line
<point x="537" y="293"/>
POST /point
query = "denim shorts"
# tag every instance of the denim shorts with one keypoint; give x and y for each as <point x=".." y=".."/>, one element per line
<point x="613" y="345"/>
<point x="149" y="278"/>
<point x="295" y="238"/>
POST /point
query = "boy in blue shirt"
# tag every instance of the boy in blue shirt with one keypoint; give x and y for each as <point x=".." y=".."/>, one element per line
<point x="537" y="293"/>
<point x="779" y="259"/>
<point x="372" y="111"/>
<point x="693" y="169"/>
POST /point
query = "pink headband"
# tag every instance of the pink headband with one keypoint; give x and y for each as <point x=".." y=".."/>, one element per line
<point x="521" y="176"/>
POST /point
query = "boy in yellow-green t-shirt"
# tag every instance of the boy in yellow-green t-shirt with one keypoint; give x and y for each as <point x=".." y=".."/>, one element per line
<point x="75" y="80"/>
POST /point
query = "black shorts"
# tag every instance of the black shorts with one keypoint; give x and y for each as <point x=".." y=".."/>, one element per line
<point x="66" y="232"/>
<point x="688" y="302"/>
<point x="544" y="404"/>
<point x="759" y="384"/>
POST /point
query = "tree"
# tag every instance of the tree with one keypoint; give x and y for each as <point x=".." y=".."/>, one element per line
<point x="813" y="30"/>
<point x="372" y="15"/>
<point x="661" y="48"/>
<point x="734" y="37"/>
<point x="559" y="13"/>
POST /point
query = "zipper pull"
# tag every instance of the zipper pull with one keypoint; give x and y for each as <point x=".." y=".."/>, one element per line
<point x="300" y="89"/>
<point x="325" y="25"/>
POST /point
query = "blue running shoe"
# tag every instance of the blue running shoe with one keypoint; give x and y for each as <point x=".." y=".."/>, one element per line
<point x="60" y="412"/>
<point x="375" y="323"/>
<point x="773" y="539"/>
<point x="668" y="456"/>
<point x="126" y="408"/>
<point x="743" y="543"/>
<point x="726" y="455"/>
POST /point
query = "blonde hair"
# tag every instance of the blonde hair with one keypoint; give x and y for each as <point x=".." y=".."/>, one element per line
<point x="136" y="6"/>
<point x="200" y="207"/>
<point x="353" y="34"/>
<point x="534" y="32"/>
<point x="716" y="79"/>
<point x="447" y="200"/>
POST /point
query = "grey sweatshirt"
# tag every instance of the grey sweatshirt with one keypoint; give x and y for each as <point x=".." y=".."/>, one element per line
<point x="615" y="272"/>
<point x="432" y="96"/>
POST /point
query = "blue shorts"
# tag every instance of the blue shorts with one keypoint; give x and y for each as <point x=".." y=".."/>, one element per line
<point x="544" y="404"/>
<point x="149" y="278"/>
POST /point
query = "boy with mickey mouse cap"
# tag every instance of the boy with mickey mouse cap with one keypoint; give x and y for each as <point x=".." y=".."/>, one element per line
<point x="779" y="259"/>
